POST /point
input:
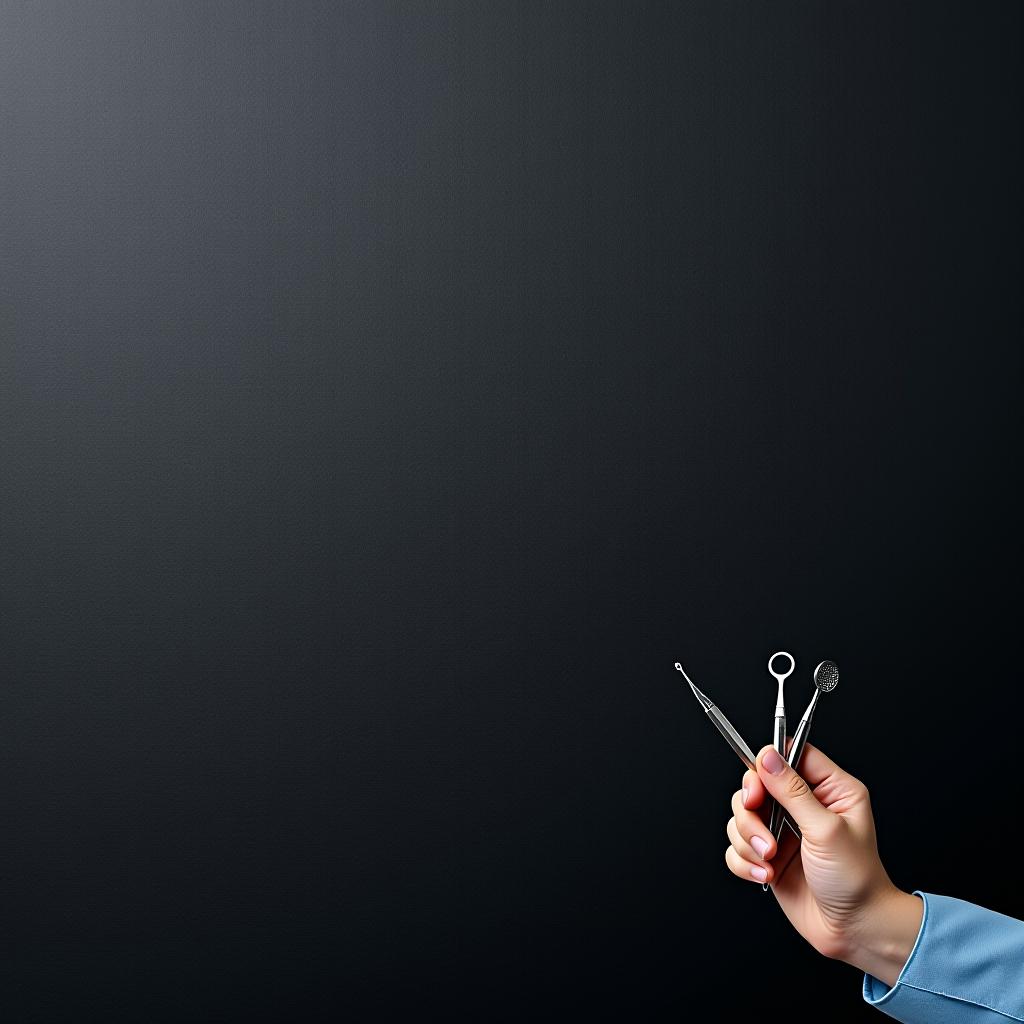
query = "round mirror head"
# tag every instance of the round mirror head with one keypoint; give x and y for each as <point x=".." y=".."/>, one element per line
<point x="826" y="676"/>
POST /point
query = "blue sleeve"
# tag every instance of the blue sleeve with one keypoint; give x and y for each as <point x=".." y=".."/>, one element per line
<point x="967" y="967"/>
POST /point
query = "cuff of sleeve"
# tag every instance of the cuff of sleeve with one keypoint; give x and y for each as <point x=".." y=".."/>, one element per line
<point x="876" y="993"/>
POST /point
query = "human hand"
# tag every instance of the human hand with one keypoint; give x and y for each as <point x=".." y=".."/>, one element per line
<point x="832" y="885"/>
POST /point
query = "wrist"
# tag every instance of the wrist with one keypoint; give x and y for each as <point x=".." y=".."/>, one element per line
<point x="885" y="936"/>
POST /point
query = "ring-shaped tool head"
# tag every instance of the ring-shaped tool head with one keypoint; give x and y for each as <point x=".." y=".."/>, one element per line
<point x="781" y="676"/>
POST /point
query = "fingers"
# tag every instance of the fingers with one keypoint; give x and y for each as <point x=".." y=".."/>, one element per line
<point x="747" y="851"/>
<point x="745" y="869"/>
<point x="816" y="766"/>
<point x="752" y="831"/>
<point x="834" y="788"/>
<point x="751" y="844"/>
<point x="783" y="783"/>
<point x="753" y="791"/>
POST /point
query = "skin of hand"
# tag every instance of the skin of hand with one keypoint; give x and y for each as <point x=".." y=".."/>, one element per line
<point x="832" y="885"/>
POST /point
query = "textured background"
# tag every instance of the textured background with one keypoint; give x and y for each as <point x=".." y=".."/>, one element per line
<point x="391" y="393"/>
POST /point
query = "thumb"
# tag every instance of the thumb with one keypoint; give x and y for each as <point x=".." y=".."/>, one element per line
<point x="794" y="794"/>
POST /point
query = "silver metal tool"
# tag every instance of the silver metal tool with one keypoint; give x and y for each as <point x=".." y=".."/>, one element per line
<point x="826" y="679"/>
<point x="724" y="726"/>
<point x="779" y="733"/>
<point x="779" y="736"/>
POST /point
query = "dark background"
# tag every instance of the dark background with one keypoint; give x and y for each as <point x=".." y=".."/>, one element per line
<point x="391" y="393"/>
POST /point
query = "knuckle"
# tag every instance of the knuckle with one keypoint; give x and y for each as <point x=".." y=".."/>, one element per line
<point x="795" y="786"/>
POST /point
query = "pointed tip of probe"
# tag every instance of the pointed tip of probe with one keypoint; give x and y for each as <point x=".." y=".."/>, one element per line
<point x="705" y="701"/>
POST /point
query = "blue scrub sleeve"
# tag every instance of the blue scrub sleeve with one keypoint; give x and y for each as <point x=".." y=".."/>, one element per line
<point x="967" y="967"/>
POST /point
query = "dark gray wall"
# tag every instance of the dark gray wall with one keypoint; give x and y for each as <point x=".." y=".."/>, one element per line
<point x="391" y="393"/>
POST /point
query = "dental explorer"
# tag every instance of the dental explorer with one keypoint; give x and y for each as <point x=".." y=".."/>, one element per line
<point x="724" y="726"/>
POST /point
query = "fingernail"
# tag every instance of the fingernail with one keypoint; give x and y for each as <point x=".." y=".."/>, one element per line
<point x="773" y="763"/>
<point x="760" y="846"/>
<point x="761" y="874"/>
<point x="744" y="796"/>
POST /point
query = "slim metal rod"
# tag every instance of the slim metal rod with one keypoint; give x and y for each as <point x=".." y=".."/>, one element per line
<point x="729" y="733"/>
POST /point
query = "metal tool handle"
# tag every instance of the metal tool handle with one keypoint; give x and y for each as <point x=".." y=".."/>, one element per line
<point x="795" y="753"/>
<point x="779" y="735"/>
<point x="778" y="741"/>
<point x="776" y="816"/>
<point x="732" y="737"/>
<point x="745" y="754"/>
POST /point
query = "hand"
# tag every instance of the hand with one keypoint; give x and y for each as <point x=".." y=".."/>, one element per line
<point x="832" y="885"/>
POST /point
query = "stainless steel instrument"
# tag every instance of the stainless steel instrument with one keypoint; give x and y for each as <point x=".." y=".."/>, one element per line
<point x="779" y="733"/>
<point x="725" y="727"/>
<point x="826" y="679"/>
